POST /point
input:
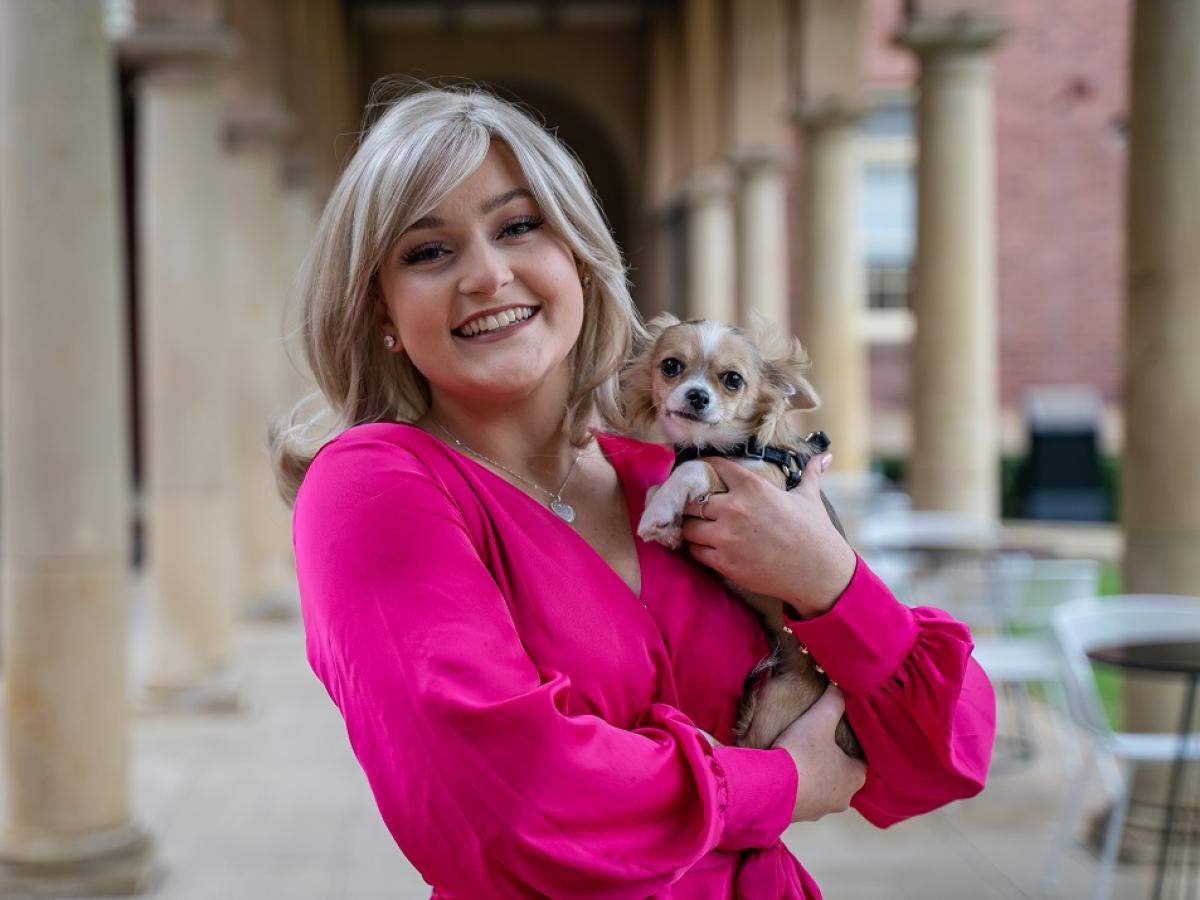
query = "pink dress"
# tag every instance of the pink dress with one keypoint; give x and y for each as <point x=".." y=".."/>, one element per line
<point x="531" y="728"/>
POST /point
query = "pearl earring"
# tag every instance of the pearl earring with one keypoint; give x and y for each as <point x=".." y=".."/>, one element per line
<point x="389" y="341"/>
<point x="586" y="281"/>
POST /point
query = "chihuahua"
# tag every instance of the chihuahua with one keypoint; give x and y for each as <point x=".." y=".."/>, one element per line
<point x="711" y="390"/>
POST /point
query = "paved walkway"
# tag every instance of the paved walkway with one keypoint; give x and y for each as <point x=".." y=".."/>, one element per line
<point x="270" y="805"/>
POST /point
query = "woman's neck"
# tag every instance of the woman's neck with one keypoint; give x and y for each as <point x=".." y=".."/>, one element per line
<point x="526" y="437"/>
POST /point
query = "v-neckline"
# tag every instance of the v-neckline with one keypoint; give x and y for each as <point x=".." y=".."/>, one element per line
<point x="632" y="515"/>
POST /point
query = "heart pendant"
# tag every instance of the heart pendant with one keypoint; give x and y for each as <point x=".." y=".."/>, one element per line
<point x="563" y="510"/>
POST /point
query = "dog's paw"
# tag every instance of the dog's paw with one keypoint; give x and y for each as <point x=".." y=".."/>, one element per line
<point x="662" y="529"/>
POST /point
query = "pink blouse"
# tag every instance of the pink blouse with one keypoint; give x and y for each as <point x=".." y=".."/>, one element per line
<point x="532" y="728"/>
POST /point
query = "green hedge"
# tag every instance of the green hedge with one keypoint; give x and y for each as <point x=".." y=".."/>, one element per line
<point x="1012" y="498"/>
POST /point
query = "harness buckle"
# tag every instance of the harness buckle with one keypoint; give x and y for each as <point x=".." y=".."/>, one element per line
<point x="752" y="446"/>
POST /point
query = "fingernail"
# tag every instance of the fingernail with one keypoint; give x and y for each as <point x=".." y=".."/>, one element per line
<point x="825" y="461"/>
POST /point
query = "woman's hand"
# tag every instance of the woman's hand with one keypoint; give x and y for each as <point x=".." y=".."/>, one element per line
<point x="773" y="542"/>
<point x="828" y="778"/>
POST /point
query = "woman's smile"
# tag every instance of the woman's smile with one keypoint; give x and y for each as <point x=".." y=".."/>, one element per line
<point x="497" y="324"/>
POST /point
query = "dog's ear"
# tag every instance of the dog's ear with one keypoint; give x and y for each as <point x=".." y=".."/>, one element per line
<point x="637" y="399"/>
<point x="656" y="326"/>
<point x="785" y="364"/>
<point x="789" y="377"/>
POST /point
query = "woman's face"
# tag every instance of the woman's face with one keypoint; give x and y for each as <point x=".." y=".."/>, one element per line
<point x="481" y="295"/>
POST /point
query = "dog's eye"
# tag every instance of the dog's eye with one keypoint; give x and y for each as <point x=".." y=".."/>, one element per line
<point x="731" y="380"/>
<point x="671" y="367"/>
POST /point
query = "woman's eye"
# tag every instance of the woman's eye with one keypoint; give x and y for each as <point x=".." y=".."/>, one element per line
<point x="731" y="380"/>
<point x="522" y="226"/>
<point x="424" y="253"/>
<point x="671" y="367"/>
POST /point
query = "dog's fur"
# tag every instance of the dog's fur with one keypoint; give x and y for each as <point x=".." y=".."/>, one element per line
<point x="770" y="383"/>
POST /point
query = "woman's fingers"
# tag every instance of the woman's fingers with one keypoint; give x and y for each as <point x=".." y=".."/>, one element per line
<point x="828" y="779"/>
<point x="810" y="479"/>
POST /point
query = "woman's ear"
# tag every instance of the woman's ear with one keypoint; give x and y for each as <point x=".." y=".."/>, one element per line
<point x="389" y="336"/>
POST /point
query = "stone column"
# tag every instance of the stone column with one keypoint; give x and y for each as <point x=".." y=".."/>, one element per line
<point x="255" y="258"/>
<point x="833" y="289"/>
<point x="661" y="285"/>
<point x="189" y="516"/>
<point x="761" y="141"/>
<point x="1160" y="498"/>
<point x="64" y="462"/>
<point x="712" y="274"/>
<point x="954" y="460"/>
<point x="831" y="38"/>
<point x="301" y="211"/>
<point x="711" y="234"/>
<point x="763" y="238"/>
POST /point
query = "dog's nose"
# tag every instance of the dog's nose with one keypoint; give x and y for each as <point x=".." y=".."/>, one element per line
<point x="698" y="398"/>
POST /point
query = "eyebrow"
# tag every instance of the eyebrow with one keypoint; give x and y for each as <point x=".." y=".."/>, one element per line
<point x="490" y="205"/>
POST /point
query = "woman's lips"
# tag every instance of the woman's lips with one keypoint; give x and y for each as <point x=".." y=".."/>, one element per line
<point x="499" y="334"/>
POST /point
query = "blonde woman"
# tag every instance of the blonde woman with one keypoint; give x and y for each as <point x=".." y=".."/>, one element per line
<point x="543" y="704"/>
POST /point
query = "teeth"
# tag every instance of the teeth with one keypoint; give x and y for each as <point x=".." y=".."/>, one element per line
<point x="496" y="322"/>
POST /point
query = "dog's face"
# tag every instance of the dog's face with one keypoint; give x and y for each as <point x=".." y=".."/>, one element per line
<point x="706" y="382"/>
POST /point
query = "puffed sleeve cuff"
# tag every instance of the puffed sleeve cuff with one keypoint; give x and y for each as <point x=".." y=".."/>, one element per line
<point x="759" y="795"/>
<point x="863" y="639"/>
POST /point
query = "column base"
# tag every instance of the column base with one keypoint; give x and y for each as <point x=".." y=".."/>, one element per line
<point x="1143" y="830"/>
<point x="218" y="694"/>
<point x="120" y="862"/>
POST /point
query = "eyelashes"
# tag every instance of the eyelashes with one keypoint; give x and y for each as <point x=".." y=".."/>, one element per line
<point x="423" y="253"/>
<point x="523" y="225"/>
<point x="432" y="250"/>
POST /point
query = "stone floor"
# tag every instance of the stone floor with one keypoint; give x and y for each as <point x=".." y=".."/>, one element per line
<point x="269" y="803"/>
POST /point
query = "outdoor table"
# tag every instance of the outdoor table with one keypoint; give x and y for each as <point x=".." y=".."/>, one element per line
<point x="1180" y="659"/>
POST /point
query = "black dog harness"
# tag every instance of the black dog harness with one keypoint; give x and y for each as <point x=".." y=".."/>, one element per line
<point x="790" y="462"/>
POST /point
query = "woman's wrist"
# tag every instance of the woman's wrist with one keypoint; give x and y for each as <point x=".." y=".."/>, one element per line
<point x="818" y="595"/>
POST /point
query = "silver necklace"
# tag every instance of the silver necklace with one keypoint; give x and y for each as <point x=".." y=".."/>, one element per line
<point x="558" y="505"/>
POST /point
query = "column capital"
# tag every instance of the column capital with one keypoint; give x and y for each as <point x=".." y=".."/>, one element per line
<point x="959" y="31"/>
<point x="710" y="183"/>
<point x="828" y="112"/>
<point x="754" y="160"/>
<point x="259" y="122"/>
<point x="173" y="48"/>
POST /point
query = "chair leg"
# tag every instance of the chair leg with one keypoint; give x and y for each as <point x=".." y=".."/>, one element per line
<point x="1112" y="836"/>
<point x="1026" y="748"/>
<point x="1069" y="741"/>
<point x="1066" y="826"/>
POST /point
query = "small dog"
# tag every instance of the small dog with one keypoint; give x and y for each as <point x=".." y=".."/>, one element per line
<point x="712" y="391"/>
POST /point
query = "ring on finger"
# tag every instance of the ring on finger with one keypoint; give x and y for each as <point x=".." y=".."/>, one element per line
<point x="700" y="501"/>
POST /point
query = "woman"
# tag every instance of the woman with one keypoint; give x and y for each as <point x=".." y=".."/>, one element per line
<point x="542" y="704"/>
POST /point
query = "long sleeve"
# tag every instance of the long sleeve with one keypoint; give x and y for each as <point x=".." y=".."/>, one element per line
<point x="485" y="780"/>
<point x="921" y="707"/>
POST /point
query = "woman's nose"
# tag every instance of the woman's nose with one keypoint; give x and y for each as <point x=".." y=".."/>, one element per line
<point x="485" y="270"/>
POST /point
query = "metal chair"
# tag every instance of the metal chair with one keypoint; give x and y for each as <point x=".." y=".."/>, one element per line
<point x="1086" y="625"/>
<point x="1014" y="639"/>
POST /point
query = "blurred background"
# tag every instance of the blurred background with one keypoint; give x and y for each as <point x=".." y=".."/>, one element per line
<point x="980" y="216"/>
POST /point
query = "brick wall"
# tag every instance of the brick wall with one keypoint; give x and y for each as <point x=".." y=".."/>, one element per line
<point x="1060" y="80"/>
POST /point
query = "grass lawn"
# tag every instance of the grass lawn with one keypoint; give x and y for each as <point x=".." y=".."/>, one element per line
<point x="1110" y="681"/>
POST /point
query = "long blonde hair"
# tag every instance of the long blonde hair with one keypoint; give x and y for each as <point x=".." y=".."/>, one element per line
<point x="419" y="150"/>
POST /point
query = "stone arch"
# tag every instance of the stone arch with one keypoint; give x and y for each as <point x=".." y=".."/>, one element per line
<point x="587" y="137"/>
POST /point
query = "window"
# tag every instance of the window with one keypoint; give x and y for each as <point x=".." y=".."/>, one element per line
<point x="887" y="215"/>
